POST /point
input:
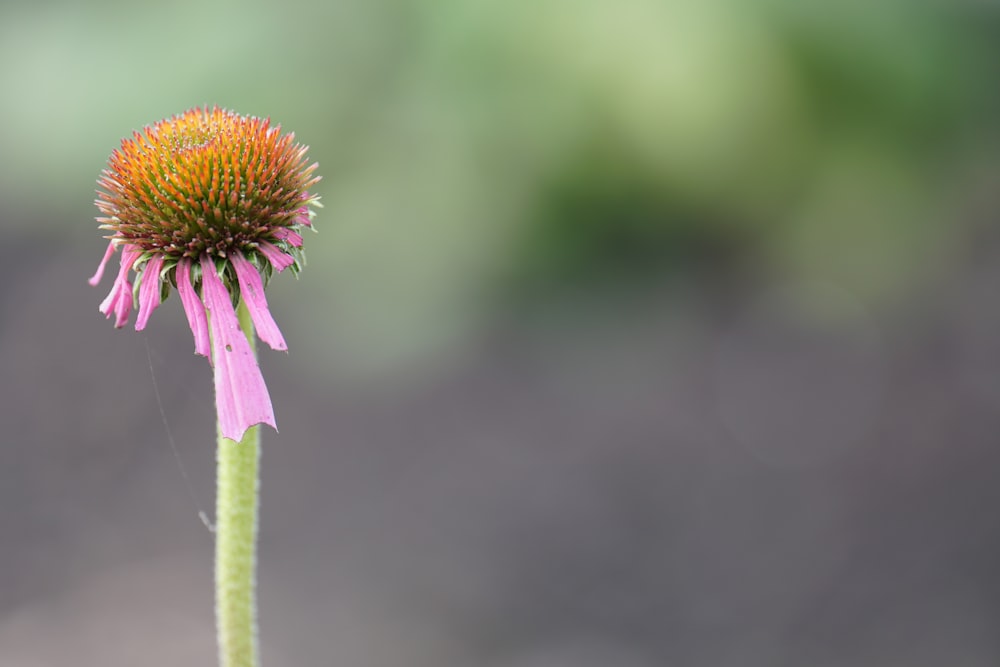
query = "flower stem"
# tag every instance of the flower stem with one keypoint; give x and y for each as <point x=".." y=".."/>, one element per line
<point x="236" y="539"/>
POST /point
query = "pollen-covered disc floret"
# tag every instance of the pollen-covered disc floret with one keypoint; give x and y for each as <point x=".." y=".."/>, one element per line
<point x="208" y="202"/>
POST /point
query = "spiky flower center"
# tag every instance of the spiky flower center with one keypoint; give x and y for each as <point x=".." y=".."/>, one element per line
<point x="208" y="181"/>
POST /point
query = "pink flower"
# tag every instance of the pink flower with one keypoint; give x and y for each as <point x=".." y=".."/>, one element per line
<point x="209" y="202"/>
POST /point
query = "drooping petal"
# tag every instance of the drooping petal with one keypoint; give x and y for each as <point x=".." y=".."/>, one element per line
<point x="96" y="278"/>
<point x="286" y="234"/>
<point x="119" y="300"/>
<point x="241" y="398"/>
<point x="193" y="308"/>
<point x="279" y="260"/>
<point x="149" y="291"/>
<point x="252" y="291"/>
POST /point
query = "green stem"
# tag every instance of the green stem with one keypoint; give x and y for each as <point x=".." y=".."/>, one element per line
<point x="236" y="539"/>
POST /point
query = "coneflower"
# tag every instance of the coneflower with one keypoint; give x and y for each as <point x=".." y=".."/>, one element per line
<point x="211" y="203"/>
<point x="208" y="202"/>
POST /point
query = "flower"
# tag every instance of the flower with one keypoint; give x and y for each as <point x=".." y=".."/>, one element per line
<point x="208" y="202"/>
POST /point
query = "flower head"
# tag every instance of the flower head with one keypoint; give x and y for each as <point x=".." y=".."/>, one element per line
<point x="208" y="202"/>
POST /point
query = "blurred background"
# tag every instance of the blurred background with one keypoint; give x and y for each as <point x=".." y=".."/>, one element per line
<point x="636" y="333"/>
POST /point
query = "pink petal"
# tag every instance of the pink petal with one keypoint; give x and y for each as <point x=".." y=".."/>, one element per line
<point x="149" y="291"/>
<point x="119" y="300"/>
<point x="279" y="260"/>
<point x="193" y="308"/>
<point x="252" y="291"/>
<point x="96" y="278"/>
<point x="303" y="218"/>
<point x="286" y="234"/>
<point x="241" y="397"/>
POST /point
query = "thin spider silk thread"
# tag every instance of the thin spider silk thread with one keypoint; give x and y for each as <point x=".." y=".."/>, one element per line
<point x="173" y="444"/>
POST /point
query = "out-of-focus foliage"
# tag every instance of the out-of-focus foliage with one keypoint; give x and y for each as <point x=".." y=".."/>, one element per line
<point x="475" y="152"/>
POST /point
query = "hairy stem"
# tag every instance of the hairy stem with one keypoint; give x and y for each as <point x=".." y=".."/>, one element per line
<point x="237" y="500"/>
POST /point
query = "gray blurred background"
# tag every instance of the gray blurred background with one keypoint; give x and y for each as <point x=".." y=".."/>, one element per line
<point x="636" y="333"/>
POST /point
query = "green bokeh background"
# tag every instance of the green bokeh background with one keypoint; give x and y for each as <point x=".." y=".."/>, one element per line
<point x="609" y="214"/>
<point x="479" y="151"/>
